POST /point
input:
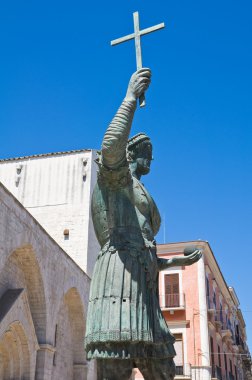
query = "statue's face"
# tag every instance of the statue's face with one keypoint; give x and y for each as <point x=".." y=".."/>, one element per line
<point x="144" y="158"/>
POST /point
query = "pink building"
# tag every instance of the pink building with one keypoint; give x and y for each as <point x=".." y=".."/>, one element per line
<point x="203" y="314"/>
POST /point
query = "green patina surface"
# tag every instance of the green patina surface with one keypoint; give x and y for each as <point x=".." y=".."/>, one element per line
<point x="124" y="317"/>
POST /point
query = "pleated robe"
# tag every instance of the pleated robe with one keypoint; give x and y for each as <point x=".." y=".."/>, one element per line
<point x="124" y="317"/>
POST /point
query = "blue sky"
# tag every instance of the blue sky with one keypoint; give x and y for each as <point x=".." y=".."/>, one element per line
<point x="61" y="82"/>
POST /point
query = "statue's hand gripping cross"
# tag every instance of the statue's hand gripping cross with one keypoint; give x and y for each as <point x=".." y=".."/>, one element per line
<point x="137" y="35"/>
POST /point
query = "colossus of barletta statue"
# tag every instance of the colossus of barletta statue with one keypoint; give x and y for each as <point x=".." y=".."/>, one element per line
<point x="125" y="326"/>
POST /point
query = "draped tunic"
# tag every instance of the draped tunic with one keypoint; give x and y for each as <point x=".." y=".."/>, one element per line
<point x="124" y="317"/>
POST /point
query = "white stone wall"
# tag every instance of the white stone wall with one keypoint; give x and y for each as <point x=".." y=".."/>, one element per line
<point x="56" y="189"/>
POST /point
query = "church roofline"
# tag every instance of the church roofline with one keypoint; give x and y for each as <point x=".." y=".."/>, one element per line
<point x="44" y="155"/>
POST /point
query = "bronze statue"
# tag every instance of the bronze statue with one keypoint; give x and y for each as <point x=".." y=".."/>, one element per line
<point x="125" y="325"/>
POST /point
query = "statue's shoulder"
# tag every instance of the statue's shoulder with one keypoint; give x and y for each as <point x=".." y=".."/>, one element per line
<point x="140" y="186"/>
<point x="113" y="178"/>
<point x="154" y="212"/>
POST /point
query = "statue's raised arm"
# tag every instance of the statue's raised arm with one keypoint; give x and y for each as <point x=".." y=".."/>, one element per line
<point x="116" y="137"/>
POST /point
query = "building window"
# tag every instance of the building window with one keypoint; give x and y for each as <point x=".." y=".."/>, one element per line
<point x="226" y="327"/>
<point x="208" y="293"/>
<point x="172" y="290"/>
<point x="236" y="374"/>
<point x="225" y="361"/>
<point x="230" y="367"/>
<point x="214" y="299"/>
<point x="212" y="356"/>
<point x="179" y="358"/>
<point x="219" y="356"/>
<point x="221" y="316"/>
<point x="237" y="335"/>
<point x="207" y="287"/>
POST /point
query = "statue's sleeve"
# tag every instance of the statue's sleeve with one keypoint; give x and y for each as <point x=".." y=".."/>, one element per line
<point x="162" y="264"/>
<point x="116" y="137"/>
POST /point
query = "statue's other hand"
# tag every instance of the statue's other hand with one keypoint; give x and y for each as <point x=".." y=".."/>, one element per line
<point x="187" y="260"/>
<point x="138" y="84"/>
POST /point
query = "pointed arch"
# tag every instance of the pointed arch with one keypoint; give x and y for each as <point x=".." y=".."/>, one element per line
<point x="14" y="354"/>
<point x="22" y="270"/>
<point x="69" y="338"/>
<point x="73" y="302"/>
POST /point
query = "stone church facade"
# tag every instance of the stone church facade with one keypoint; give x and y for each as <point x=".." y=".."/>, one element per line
<point x="47" y="252"/>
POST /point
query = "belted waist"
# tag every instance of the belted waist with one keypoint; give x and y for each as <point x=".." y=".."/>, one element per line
<point x="113" y="246"/>
<point x="128" y="234"/>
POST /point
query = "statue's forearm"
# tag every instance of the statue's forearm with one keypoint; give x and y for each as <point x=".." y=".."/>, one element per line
<point x="179" y="260"/>
<point x="116" y="137"/>
<point x="164" y="264"/>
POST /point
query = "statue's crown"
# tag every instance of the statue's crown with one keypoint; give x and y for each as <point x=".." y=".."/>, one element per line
<point x="140" y="137"/>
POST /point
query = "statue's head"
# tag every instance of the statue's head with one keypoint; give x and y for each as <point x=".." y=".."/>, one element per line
<point x="139" y="150"/>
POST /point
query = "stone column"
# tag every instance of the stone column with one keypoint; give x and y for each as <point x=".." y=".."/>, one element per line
<point x="1" y="366"/>
<point x="44" y="362"/>
<point x="80" y="371"/>
<point x="92" y="370"/>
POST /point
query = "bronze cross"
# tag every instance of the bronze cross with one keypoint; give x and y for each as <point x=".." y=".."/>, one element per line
<point x="137" y="35"/>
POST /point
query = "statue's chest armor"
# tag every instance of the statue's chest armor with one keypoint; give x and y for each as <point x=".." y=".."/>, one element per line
<point x="141" y="199"/>
<point x="128" y="206"/>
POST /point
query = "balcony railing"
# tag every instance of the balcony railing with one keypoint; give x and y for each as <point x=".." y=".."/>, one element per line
<point x="239" y="342"/>
<point x="172" y="301"/>
<point x="217" y="319"/>
<point x="218" y="374"/>
<point x="210" y="304"/>
<point x="179" y="370"/>
<point x="231" y="376"/>
<point x="216" y="316"/>
<point x="183" y="370"/>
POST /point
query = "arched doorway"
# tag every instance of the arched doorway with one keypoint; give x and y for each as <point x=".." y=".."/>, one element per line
<point x="70" y="359"/>
<point x="22" y="270"/>
<point x="14" y="354"/>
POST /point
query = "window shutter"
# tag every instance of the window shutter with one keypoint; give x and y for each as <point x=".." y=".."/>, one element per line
<point x="172" y="290"/>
